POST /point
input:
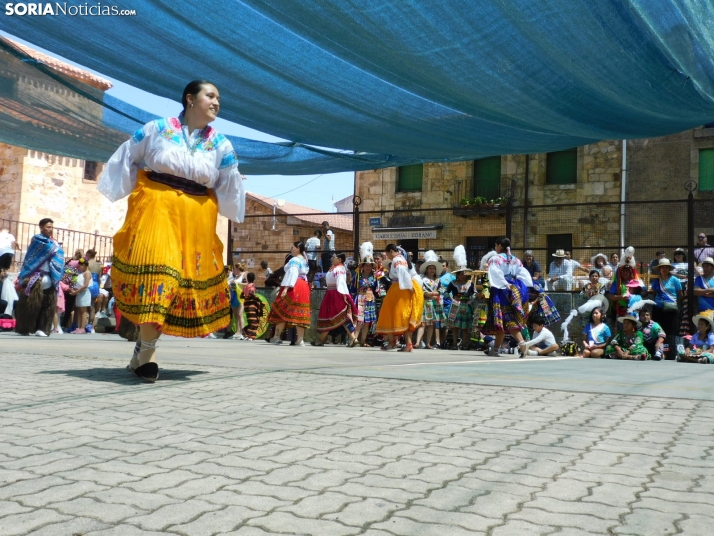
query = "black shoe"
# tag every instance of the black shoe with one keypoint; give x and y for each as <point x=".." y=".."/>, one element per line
<point x="148" y="372"/>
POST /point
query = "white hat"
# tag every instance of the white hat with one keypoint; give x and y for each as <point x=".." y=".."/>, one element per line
<point x="366" y="251"/>
<point x="430" y="259"/>
<point x="460" y="260"/>
<point x="707" y="315"/>
<point x="559" y="253"/>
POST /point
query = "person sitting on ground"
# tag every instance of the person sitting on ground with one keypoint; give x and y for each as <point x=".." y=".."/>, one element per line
<point x="634" y="289"/>
<point x="543" y="343"/>
<point x="699" y="348"/>
<point x="596" y="334"/>
<point x="653" y="333"/>
<point x="704" y="285"/>
<point x="628" y="343"/>
<point x="619" y="292"/>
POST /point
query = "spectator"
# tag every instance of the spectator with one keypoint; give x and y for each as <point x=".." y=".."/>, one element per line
<point x="599" y="262"/>
<point x="542" y="344"/>
<point x="8" y="245"/>
<point x="634" y="289"/>
<point x="606" y="274"/>
<point x="681" y="267"/>
<point x="702" y="249"/>
<point x="704" y="285"/>
<point x="328" y="249"/>
<point x="618" y="293"/>
<point x="560" y="274"/>
<point x="698" y="349"/>
<point x="668" y="292"/>
<point x="628" y="343"/>
<point x="83" y="297"/>
<point x="311" y="247"/>
<point x="532" y="266"/>
<point x="653" y="265"/>
<point x="614" y="261"/>
<point x="652" y="332"/>
<point x="38" y="281"/>
<point x="594" y="286"/>
<point x="264" y="266"/>
<point x="596" y="334"/>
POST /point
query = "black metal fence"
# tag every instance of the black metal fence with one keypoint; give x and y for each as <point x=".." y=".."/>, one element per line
<point x="70" y="240"/>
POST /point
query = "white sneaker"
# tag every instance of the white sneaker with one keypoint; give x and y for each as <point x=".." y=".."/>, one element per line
<point x="301" y="343"/>
<point x="533" y="352"/>
<point x="58" y="331"/>
<point x="238" y="337"/>
<point x="211" y="336"/>
<point x="101" y="315"/>
<point x="39" y="333"/>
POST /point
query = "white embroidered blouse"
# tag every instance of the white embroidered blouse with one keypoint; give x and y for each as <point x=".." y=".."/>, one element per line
<point x="399" y="271"/>
<point x="165" y="146"/>
<point x="502" y="267"/>
<point x="337" y="278"/>
<point x="296" y="267"/>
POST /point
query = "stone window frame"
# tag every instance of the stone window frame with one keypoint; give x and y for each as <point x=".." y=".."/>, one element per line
<point x="97" y="165"/>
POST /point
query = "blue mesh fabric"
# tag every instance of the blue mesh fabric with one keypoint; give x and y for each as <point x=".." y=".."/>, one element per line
<point x="408" y="80"/>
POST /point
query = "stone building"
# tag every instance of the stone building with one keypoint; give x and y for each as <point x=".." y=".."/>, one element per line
<point x="35" y="184"/>
<point x="573" y="198"/>
<point x="272" y="225"/>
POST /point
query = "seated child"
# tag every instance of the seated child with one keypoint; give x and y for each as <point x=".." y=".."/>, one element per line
<point x="652" y="332"/>
<point x="628" y="343"/>
<point x="596" y="334"/>
<point x="543" y="343"/>
<point x="700" y="347"/>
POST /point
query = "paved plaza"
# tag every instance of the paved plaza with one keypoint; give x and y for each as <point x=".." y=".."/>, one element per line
<point x="251" y="439"/>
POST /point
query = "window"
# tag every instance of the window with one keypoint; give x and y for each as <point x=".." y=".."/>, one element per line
<point x="409" y="178"/>
<point x="558" y="241"/>
<point x="709" y="125"/>
<point x="706" y="170"/>
<point x="90" y="170"/>
<point x="410" y="245"/>
<point x="476" y="248"/>
<point x="487" y="177"/>
<point x="561" y="167"/>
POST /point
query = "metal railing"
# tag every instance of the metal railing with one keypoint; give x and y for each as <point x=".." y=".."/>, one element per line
<point x="71" y="241"/>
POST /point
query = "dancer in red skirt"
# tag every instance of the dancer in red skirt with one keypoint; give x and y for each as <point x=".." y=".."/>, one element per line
<point x="337" y="310"/>
<point x="292" y="306"/>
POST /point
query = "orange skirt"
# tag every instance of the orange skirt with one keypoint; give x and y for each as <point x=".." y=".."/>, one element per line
<point x="401" y="310"/>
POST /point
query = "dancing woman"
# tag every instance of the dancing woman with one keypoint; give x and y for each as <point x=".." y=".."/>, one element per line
<point x="337" y="309"/>
<point x="509" y="281"/>
<point x="402" y="307"/>
<point x="432" y="316"/>
<point x="291" y="308"/>
<point x="167" y="270"/>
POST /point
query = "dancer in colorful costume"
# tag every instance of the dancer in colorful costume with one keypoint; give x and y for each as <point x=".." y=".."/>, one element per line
<point x="337" y="310"/>
<point x="460" y="316"/>
<point x="291" y="307"/>
<point x="365" y="287"/>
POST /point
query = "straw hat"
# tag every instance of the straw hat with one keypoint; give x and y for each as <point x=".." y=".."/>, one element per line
<point x="386" y="263"/>
<point x="632" y="318"/>
<point x="708" y="260"/>
<point x="559" y="253"/>
<point x="707" y="315"/>
<point x="430" y="259"/>
<point x="664" y="262"/>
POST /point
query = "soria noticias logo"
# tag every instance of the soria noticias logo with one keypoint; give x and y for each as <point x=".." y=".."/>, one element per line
<point x="45" y="9"/>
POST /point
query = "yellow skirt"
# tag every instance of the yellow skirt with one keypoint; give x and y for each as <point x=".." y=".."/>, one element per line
<point x="401" y="310"/>
<point x="167" y="267"/>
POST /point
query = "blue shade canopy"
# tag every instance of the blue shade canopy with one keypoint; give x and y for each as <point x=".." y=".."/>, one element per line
<point x="408" y="80"/>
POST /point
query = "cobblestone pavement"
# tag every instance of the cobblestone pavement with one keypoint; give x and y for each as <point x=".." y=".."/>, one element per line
<point x="86" y="450"/>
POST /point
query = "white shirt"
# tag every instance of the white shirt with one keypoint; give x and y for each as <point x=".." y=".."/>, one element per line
<point x="337" y="277"/>
<point x="295" y="267"/>
<point x="6" y="242"/>
<point x="399" y="271"/>
<point x="311" y="248"/>
<point x="329" y="241"/>
<point x="165" y="146"/>
<point x="545" y="336"/>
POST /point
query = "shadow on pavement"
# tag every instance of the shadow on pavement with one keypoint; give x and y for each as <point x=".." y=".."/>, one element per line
<point x="121" y="376"/>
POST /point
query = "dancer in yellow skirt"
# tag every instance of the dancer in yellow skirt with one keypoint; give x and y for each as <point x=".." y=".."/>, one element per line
<point x="402" y="306"/>
<point x="167" y="270"/>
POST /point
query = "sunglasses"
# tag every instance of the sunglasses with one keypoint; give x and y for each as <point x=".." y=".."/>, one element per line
<point x="702" y="237"/>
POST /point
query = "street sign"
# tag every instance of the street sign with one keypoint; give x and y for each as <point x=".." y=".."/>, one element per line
<point x="375" y="221"/>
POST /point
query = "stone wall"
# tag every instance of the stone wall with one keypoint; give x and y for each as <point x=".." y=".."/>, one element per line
<point x="11" y="161"/>
<point x="256" y="240"/>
